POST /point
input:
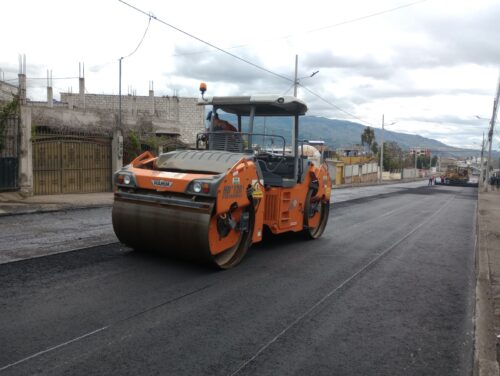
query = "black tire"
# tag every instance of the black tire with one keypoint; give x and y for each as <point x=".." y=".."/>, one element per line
<point x="234" y="255"/>
<point x="323" y="208"/>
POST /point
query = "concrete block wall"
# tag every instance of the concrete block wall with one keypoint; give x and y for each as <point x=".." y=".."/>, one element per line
<point x="7" y="91"/>
<point x="98" y="121"/>
<point x="169" y="114"/>
<point x="191" y="118"/>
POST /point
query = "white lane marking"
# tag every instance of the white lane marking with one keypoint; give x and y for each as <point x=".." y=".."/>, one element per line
<point x="104" y="327"/>
<point x="345" y="282"/>
<point x="54" y="348"/>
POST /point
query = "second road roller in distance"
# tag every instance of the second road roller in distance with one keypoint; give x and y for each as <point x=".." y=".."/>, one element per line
<point x="211" y="203"/>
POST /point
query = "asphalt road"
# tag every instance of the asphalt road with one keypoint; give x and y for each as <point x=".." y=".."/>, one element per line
<point x="388" y="290"/>
<point x="45" y="233"/>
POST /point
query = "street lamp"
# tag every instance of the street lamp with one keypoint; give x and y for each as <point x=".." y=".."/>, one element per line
<point x="296" y="79"/>
<point x="295" y="143"/>
<point x="382" y="149"/>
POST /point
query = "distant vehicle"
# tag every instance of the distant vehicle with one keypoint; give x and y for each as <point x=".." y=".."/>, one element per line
<point x="460" y="176"/>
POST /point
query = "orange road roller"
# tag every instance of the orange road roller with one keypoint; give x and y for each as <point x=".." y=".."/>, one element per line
<point x="211" y="203"/>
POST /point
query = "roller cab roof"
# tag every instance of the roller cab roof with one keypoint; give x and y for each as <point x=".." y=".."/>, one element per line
<point x="265" y="105"/>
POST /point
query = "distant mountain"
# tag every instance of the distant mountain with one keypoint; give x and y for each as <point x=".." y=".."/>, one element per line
<point x="342" y="133"/>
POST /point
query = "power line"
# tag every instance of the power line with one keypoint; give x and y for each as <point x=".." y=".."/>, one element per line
<point x="150" y="15"/>
<point x="142" y="39"/>
<point x="287" y="90"/>
<point x="207" y="43"/>
<point x="362" y="18"/>
<point x="341" y="23"/>
<point x="335" y="106"/>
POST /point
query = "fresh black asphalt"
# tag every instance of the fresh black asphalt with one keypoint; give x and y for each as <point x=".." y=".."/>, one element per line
<point x="387" y="290"/>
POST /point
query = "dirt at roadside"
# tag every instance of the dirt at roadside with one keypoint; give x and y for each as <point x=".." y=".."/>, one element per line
<point x="489" y="243"/>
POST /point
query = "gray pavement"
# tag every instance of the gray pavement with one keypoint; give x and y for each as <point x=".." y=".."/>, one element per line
<point x="47" y="232"/>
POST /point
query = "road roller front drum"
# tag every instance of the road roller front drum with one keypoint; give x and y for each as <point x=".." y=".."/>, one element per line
<point x="184" y="233"/>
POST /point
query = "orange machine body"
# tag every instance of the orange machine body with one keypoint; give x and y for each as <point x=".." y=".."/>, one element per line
<point x="212" y="204"/>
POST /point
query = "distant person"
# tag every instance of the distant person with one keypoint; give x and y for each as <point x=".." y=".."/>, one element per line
<point x="493" y="181"/>
<point x="430" y="181"/>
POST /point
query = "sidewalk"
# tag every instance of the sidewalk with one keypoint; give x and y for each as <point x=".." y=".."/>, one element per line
<point x="488" y="284"/>
<point x="13" y="203"/>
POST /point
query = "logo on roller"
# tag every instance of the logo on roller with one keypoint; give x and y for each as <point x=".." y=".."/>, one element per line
<point x="162" y="183"/>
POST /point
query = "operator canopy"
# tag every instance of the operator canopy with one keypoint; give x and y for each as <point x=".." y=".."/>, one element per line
<point x="265" y="105"/>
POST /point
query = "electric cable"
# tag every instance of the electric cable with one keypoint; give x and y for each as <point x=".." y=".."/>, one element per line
<point x="287" y="90"/>
<point x="142" y="39"/>
<point x="341" y="23"/>
<point x="336" y="106"/>
<point x="208" y="43"/>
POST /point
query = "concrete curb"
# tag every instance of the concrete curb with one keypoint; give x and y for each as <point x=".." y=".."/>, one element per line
<point x="13" y="203"/>
<point x="373" y="184"/>
<point x="41" y="209"/>
<point x="485" y="362"/>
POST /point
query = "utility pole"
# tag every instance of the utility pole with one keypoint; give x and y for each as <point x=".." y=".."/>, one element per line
<point x="382" y="151"/>
<point x="295" y="87"/>
<point x="120" y="95"/>
<point x="415" y="151"/>
<point x="490" y="135"/>
<point x="295" y="144"/>
<point x="481" y="168"/>
<point x="296" y="80"/>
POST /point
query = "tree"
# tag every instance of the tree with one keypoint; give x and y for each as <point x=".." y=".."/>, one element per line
<point x="374" y="147"/>
<point x="7" y="111"/>
<point x="367" y="137"/>
<point x="423" y="162"/>
<point x="393" y="156"/>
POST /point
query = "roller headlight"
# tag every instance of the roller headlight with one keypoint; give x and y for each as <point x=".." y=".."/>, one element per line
<point x="197" y="187"/>
<point x="202" y="187"/>
<point x="125" y="179"/>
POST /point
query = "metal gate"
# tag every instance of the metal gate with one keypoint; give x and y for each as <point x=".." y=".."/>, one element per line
<point x="9" y="154"/>
<point x="69" y="164"/>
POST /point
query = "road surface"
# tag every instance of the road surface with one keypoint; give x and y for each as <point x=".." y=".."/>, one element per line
<point x="388" y="290"/>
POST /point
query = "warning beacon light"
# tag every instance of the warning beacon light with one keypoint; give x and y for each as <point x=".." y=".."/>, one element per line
<point x="203" y="88"/>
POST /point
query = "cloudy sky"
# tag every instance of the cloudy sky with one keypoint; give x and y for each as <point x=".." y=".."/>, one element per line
<point x="431" y="66"/>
